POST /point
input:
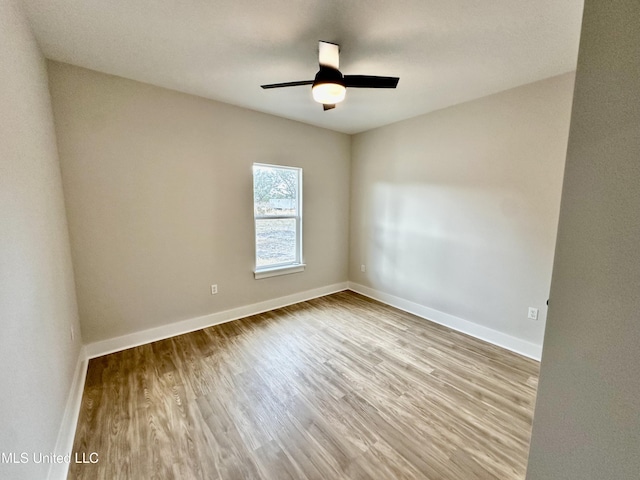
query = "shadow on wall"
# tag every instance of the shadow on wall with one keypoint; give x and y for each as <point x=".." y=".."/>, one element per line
<point x="457" y="210"/>
<point x="462" y="250"/>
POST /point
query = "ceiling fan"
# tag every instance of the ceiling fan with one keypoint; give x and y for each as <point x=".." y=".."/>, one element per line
<point x="330" y="86"/>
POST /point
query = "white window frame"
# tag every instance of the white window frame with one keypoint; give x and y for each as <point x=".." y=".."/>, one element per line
<point x="280" y="268"/>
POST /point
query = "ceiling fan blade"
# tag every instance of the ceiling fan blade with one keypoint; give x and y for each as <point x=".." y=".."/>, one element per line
<point x="370" y="81"/>
<point x="329" y="54"/>
<point x="328" y="106"/>
<point x="288" y="84"/>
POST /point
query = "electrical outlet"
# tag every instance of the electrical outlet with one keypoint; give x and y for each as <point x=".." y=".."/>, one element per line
<point x="533" y="313"/>
<point x="363" y="268"/>
<point x="214" y="289"/>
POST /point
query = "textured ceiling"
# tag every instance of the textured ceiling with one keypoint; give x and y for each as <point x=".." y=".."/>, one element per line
<point x="444" y="51"/>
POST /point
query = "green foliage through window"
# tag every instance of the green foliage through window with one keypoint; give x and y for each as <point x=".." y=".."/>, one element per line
<point x="278" y="219"/>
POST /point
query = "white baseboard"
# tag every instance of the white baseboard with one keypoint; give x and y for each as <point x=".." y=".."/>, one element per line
<point x="514" y="344"/>
<point x="66" y="434"/>
<point x="111" y="345"/>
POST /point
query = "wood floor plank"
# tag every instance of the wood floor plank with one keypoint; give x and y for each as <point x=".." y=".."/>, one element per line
<point x="339" y="387"/>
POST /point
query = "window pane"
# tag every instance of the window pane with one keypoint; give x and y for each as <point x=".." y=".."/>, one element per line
<point x="275" y="241"/>
<point x="275" y="190"/>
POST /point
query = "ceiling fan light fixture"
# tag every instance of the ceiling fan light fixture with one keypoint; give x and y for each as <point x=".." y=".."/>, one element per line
<point x="330" y="86"/>
<point x="328" y="93"/>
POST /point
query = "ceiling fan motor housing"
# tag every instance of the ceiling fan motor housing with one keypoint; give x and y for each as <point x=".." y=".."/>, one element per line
<point x="328" y="87"/>
<point x="328" y="75"/>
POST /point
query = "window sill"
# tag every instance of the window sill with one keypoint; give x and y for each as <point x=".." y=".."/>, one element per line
<point x="275" y="271"/>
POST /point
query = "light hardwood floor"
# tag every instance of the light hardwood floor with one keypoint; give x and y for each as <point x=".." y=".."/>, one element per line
<point x="340" y="387"/>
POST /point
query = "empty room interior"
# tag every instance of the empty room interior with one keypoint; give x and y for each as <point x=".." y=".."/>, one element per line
<point x="319" y="239"/>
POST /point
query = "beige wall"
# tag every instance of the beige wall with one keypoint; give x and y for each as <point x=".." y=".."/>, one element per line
<point x="457" y="210"/>
<point x="158" y="187"/>
<point x="37" y="299"/>
<point x="587" y="419"/>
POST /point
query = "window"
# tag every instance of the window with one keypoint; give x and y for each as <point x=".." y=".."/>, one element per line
<point x="277" y="210"/>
